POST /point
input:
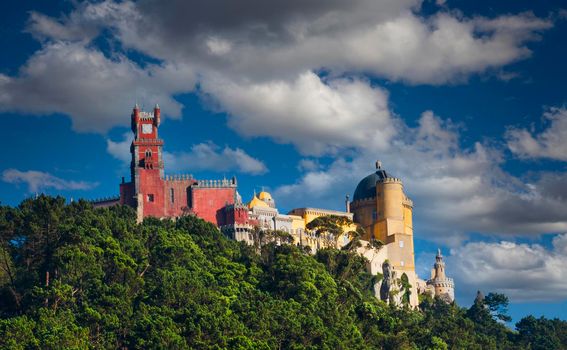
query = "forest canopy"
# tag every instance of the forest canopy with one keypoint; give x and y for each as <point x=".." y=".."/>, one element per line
<point x="76" y="277"/>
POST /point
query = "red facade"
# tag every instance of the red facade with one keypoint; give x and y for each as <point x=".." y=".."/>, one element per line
<point x="154" y="194"/>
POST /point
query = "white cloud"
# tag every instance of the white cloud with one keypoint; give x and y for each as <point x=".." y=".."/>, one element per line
<point x="203" y="156"/>
<point x="317" y="116"/>
<point x="121" y="149"/>
<point x="218" y="46"/>
<point x="550" y="143"/>
<point x="271" y="50"/>
<point x="97" y="92"/>
<point x="455" y="191"/>
<point x="524" y="272"/>
<point x="208" y="156"/>
<point x="389" y="39"/>
<point x="307" y="164"/>
<point x="38" y="181"/>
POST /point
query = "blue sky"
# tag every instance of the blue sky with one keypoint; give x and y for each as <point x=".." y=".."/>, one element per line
<point x="463" y="100"/>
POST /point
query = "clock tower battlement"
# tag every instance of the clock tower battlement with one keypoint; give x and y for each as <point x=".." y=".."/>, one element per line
<point x="146" y="148"/>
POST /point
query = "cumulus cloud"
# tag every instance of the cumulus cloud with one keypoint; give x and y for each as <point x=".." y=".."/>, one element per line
<point x="121" y="149"/>
<point x="307" y="164"/>
<point x="317" y="116"/>
<point x="455" y="190"/>
<point x="38" y="181"/>
<point x="203" y="156"/>
<point x="208" y="156"/>
<point x="388" y="38"/>
<point x="270" y="49"/>
<point x="524" y="272"/>
<point x="550" y="143"/>
<point x="94" y="90"/>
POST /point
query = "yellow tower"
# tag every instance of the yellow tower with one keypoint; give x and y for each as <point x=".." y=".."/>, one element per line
<point x="382" y="208"/>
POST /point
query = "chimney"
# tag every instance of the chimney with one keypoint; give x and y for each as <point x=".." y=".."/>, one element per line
<point x="347" y="203"/>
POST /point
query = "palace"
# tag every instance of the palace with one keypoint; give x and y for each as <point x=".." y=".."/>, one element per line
<point x="379" y="205"/>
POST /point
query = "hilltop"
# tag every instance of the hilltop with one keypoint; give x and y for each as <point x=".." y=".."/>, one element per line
<point x="72" y="276"/>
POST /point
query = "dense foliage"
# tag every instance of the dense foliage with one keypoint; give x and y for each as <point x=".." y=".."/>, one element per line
<point x="76" y="277"/>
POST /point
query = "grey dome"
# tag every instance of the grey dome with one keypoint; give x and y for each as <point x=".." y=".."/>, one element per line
<point x="367" y="187"/>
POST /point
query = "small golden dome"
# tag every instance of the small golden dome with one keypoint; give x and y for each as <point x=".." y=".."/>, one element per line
<point x="257" y="202"/>
<point x="265" y="196"/>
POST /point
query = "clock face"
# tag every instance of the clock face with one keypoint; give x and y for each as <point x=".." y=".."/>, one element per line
<point x="147" y="128"/>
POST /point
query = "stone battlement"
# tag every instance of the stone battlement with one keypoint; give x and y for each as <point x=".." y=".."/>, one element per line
<point x="362" y="202"/>
<point x="390" y="180"/>
<point x="442" y="282"/>
<point x="224" y="183"/>
<point x="178" y="177"/>
<point x="146" y="115"/>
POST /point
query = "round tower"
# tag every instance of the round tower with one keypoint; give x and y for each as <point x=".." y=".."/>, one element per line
<point x="390" y="196"/>
<point x="443" y="286"/>
<point x="382" y="208"/>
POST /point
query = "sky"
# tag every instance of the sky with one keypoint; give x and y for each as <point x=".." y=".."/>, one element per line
<point x="465" y="101"/>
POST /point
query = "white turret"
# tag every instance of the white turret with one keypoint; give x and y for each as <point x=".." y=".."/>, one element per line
<point x="442" y="286"/>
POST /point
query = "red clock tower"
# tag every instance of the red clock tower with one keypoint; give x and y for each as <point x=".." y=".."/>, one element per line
<point x="146" y="169"/>
<point x="154" y="194"/>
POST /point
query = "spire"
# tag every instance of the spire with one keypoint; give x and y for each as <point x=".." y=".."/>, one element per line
<point x="378" y="165"/>
<point x="439" y="256"/>
<point x="136" y="106"/>
<point x="157" y="106"/>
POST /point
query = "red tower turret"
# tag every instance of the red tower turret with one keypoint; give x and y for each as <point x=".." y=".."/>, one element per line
<point x="147" y="164"/>
<point x="157" y="116"/>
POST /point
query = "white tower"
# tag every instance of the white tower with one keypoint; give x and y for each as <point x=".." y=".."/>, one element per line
<point x="443" y="286"/>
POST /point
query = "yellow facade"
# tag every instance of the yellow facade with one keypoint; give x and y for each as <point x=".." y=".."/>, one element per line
<point x="309" y="214"/>
<point x="386" y="215"/>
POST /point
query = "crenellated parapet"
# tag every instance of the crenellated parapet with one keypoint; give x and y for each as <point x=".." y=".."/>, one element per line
<point x="446" y="282"/>
<point x="407" y="202"/>
<point x="390" y="180"/>
<point x="224" y="183"/>
<point x="179" y="177"/>
<point x="362" y="203"/>
<point x="237" y="206"/>
<point x="146" y="115"/>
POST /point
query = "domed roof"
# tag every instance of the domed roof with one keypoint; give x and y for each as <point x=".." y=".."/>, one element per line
<point x="367" y="187"/>
<point x="256" y="202"/>
<point x="265" y="196"/>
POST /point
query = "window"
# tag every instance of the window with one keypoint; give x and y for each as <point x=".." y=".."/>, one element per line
<point x="172" y="195"/>
<point x="402" y="263"/>
<point x="374" y="215"/>
<point x="401" y="244"/>
<point x="150" y="197"/>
